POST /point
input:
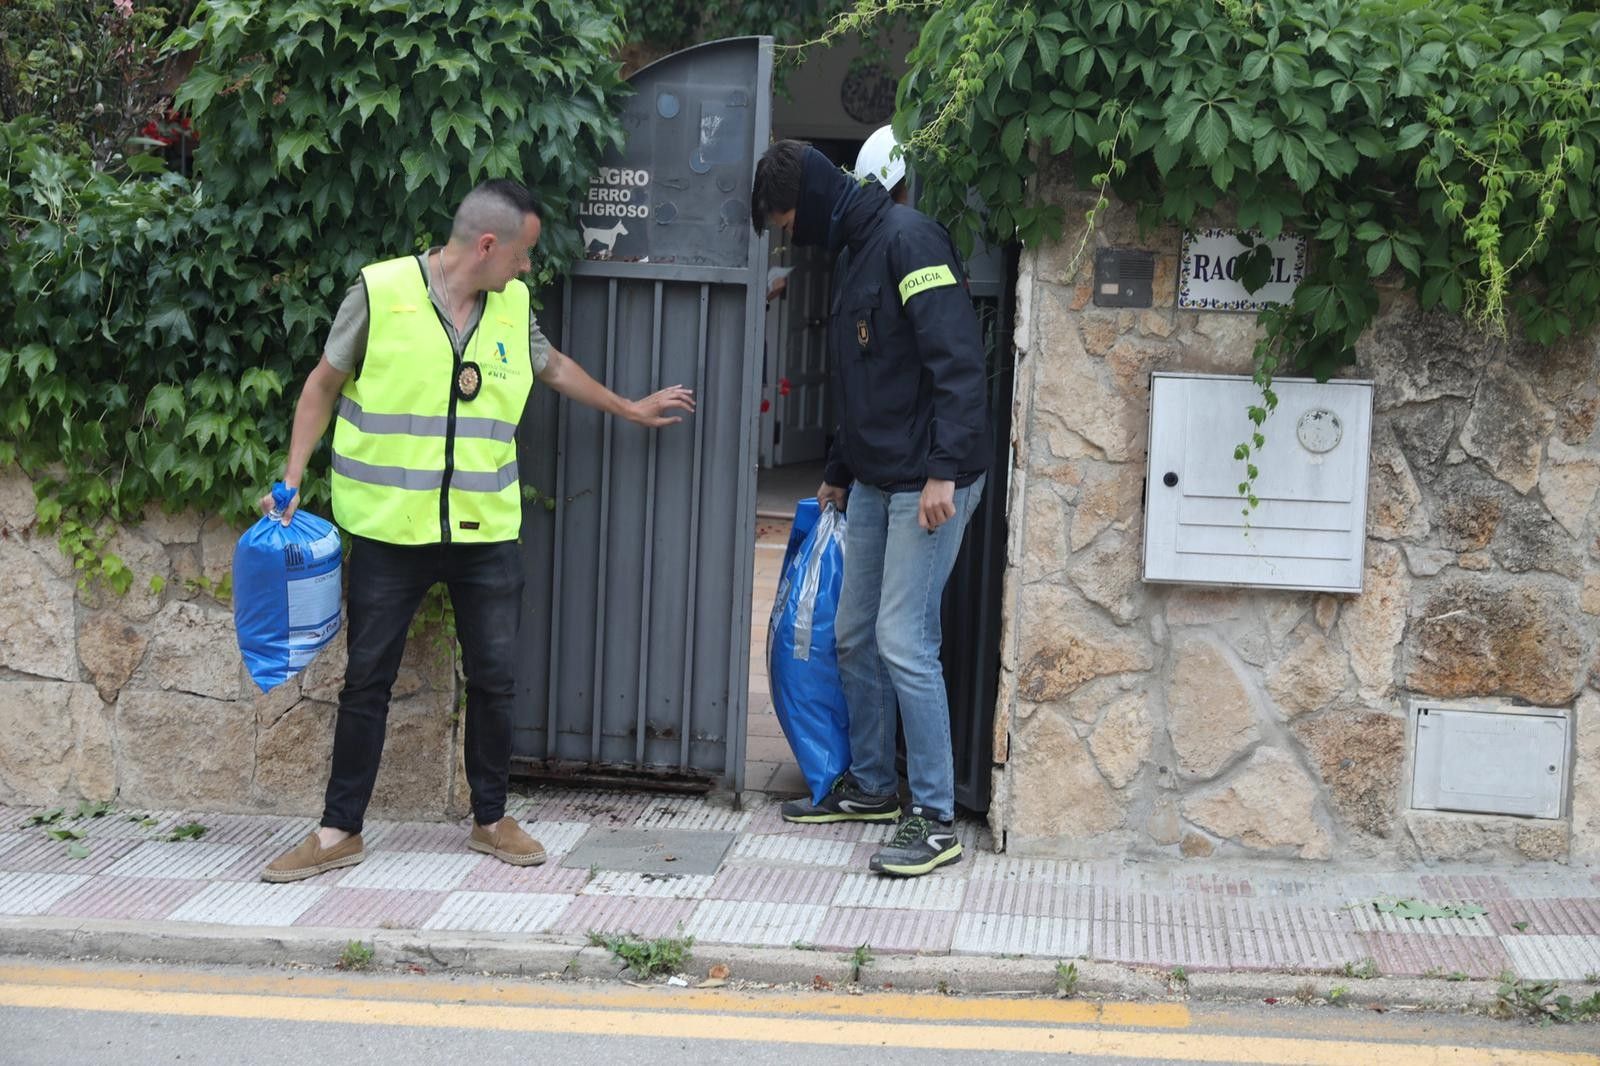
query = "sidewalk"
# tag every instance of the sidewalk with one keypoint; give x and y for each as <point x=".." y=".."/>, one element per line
<point x="652" y="866"/>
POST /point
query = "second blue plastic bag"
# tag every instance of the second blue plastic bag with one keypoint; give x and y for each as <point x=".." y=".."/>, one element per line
<point x="285" y="591"/>
<point x="801" y="663"/>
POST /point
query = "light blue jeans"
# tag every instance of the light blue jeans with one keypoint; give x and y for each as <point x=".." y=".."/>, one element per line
<point x="887" y="634"/>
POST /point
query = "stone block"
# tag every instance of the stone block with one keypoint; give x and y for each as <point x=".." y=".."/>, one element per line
<point x="1444" y="836"/>
<point x="57" y="743"/>
<point x="183" y="750"/>
<point x="1121" y="742"/>
<point x="171" y="528"/>
<point x="1270" y="805"/>
<point x="1162" y="825"/>
<point x="1056" y="792"/>
<point x="149" y="563"/>
<point x="1484" y="637"/>
<point x="1394" y="503"/>
<point x="193" y="648"/>
<point x="1361" y="756"/>
<point x="1576" y="420"/>
<point x="1426" y="562"/>
<point x="1507" y="428"/>
<point x="1468" y="508"/>
<point x="1543" y="843"/>
<point x="1109" y="496"/>
<point x="294" y="749"/>
<point x="38" y="614"/>
<point x="1197" y="606"/>
<point x="1195" y="846"/>
<point x="110" y="648"/>
<point x="1371" y="626"/>
<point x="1586" y="779"/>
<point x="18" y="502"/>
<point x="1108" y="574"/>
<point x="1568" y="485"/>
<point x="1210" y="716"/>
<point x="1045" y="549"/>
<point x="1589" y="597"/>
<point x="218" y="539"/>
<point x="1066" y="643"/>
<point x="1417" y="357"/>
<point x="414" y="776"/>
<point x="1310" y="676"/>
<point x="1425" y="434"/>
<point x="1530" y="539"/>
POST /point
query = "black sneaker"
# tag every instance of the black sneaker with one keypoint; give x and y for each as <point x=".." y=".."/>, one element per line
<point x="845" y="802"/>
<point x="920" y="844"/>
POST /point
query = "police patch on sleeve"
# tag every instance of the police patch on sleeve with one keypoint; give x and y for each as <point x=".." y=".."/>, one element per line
<point x="933" y="277"/>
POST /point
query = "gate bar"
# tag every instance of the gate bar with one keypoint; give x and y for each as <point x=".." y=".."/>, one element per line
<point x="694" y="534"/>
<point x="603" y="540"/>
<point x="649" y="538"/>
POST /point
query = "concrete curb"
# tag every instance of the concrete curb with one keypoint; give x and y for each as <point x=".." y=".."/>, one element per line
<point x="514" y="954"/>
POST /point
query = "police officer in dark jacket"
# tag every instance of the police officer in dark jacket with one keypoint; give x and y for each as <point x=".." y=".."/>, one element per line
<point x="911" y="451"/>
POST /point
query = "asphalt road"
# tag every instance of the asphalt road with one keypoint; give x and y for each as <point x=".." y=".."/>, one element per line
<point x="89" y="1015"/>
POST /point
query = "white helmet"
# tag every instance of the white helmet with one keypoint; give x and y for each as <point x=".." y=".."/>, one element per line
<point x="879" y="159"/>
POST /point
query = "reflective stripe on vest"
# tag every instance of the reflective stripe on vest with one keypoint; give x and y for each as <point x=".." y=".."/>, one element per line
<point x="414" y="463"/>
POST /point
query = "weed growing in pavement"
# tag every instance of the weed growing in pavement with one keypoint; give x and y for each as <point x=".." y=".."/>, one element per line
<point x="1178" y="978"/>
<point x="1066" y="980"/>
<point x="646" y="958"/>
<point x="1337" y="994"/>
<point x="1365" y="970"/>
<point x="801" y="945"/>
<point x="859" y="958"/>
<point x="1306" y="993"/>
<point x="187" y="831"/>
<point x="356" y="957"/>
<point x="1538" y="1001"/>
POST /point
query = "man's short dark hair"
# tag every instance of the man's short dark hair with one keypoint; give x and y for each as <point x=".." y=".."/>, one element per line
<point x="497" y="206"/>
<point x="777" y="185"/>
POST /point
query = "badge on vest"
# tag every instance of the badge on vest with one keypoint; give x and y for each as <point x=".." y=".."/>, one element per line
<point x="469" y="381"/>
<point x="863" y="335"/>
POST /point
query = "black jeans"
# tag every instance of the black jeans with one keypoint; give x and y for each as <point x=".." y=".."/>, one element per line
<point x="387" y="583"/>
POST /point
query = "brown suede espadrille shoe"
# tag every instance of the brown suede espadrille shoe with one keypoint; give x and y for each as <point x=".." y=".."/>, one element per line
<point x="507" y="842"/>
<point x="309" y="858"/>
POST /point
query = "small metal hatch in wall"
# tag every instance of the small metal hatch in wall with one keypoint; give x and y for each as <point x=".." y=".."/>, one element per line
<point x="1308" y="530"/>
<point x="1124" y="277"/>
<point x="1489" y="759"/>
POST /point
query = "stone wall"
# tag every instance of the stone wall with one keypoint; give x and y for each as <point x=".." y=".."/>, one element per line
<point x="143" y="698"/>
<point x="1170" y="720"/>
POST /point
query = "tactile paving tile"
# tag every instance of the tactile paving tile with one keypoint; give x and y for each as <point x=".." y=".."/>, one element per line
<point x="1366" y="919"/>
<point x="648" y="918"/>
<point x="29" y="893"/>
<point x="1543" y="917"/>
<point x="240" y="903"/>
<point x="44" y="855"/>
<point x="126" y="898"/>
<point x="557" y="838"/>
<point x="992" y="866"/>
<point x="768" y="821"/>
<point x="371" y="908"/>
<point x="498" y="912"/>
<point x="1415" y="955"/>
<point x="777" y="884"/>
<point x="1028" y="897"/>
<point x="1020" y="934"/>
<point x="932" y="893"/>
<point x="692" y="813"/>
<point x="792" y="849"/>
<point x="607" y="810"/>
<point x="887" y="930"/>
<point x="721" y="921"/>
<point x="417" y="836"/>
<point x="1561" y="958"/>
<point x="546" y="878"/>
<point x="416" y="870"/>
<point x="649" y="886"/>
<point x="184" y="859"/>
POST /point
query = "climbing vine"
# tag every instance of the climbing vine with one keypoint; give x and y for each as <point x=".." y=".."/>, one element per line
<point x="1444" y="146"/>
<point x="158" y="327"/>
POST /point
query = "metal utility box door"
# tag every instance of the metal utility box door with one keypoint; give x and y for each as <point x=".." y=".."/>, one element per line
<point x="636" y="627"/>
<point x="1489" y="760"/>
<point x="1308" y="530"/>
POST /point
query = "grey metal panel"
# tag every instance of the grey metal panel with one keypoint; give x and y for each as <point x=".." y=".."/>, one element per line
<point x="636" y="632"/>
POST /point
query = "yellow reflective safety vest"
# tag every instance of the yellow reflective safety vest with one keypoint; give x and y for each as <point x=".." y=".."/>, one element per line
<point x="424" y="446"/>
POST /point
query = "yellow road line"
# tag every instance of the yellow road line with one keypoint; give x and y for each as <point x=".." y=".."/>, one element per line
<point x="512" y="994"/>
<point x="1090" y="1042"/>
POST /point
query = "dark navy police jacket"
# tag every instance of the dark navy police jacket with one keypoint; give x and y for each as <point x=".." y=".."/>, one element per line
<point x="906" y="354"/>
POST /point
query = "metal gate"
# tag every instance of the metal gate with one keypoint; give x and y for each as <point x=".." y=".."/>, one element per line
<point x="636" y="627"/>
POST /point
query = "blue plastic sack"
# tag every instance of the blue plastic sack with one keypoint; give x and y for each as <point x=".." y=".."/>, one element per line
<point x="801" y="663"/>
<point x="286" y="591"/>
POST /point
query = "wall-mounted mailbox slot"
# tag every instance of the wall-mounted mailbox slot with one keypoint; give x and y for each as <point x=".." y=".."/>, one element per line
<point x="1308" y="530"/>
<point x="1489" y="759"/>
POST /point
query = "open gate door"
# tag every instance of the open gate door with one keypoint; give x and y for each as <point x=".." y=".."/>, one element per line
<point x="636" y="629"/>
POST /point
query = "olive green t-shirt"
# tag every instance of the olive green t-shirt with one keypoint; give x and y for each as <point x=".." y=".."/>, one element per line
<point x="347" y="339"/>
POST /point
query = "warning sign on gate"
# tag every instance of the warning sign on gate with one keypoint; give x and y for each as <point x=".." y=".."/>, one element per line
<point x="617" y="197"/>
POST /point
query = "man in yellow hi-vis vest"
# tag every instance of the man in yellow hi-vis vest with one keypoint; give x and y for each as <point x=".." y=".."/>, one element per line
<point x="429" y="363"/>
